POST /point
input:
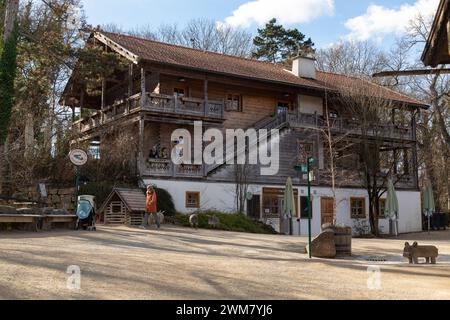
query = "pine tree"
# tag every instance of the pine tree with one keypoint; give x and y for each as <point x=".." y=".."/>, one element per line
<point x="276" y="44"/>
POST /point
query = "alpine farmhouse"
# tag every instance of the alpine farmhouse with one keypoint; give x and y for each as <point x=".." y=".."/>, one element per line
<point x="166" y="87"/>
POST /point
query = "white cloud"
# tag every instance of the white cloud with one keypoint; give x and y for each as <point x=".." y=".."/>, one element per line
<point x="379" y="21"/>
<point x="286" y="11"/>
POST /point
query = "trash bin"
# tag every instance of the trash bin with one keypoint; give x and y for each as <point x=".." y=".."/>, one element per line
<point x="439" y="221"/>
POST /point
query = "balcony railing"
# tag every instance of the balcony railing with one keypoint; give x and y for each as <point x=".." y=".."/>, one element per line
<point x="350" y="127"/>
<point x="161" y="104"/>
<point x="166" y="168"/>
<point x="184" y="106"/>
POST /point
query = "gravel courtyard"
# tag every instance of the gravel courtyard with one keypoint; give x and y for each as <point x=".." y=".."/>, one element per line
<point x="178" y="263"/>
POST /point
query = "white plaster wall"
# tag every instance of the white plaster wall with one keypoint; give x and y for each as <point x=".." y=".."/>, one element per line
<point x="212" y="195"/>
<point x="221" y="196"/>
<point x="410" y="211"/>
<point x="311" y="105"/>
<point x="409" y="205"/>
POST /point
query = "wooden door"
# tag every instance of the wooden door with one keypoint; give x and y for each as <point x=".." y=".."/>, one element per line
<point x="326" y="209"/>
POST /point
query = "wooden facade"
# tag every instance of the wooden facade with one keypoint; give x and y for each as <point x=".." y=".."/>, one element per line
<point x="155" y="99"/>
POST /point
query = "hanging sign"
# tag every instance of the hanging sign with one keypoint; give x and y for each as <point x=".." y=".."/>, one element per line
<point x="78" y="157"/>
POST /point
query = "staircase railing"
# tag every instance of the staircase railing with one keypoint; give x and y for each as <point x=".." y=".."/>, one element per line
<point x="278" y="121"/>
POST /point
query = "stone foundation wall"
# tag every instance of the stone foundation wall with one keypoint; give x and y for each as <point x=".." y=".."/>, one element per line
<point x="58" y="198"/>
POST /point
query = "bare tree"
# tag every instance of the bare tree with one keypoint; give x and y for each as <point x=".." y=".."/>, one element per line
<point x="352" y="58"/>
<point x="204" y="34"/>
<point x="338" y="146"/>
<point x="241" y="180"/>
<point x="433" y="128"/>
<point x="380" y="157"/>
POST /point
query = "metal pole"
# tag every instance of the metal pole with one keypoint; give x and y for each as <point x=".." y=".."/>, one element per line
<point x="309" y="208"/>
<point x="77" y="192"/>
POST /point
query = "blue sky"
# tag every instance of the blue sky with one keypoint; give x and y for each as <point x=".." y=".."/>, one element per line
<point x="325" y="21"/>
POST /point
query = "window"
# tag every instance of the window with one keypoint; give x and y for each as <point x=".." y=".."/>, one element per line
<point x="333" y="115"/>
<point x="283" y="107"/>
<point x="304" y="214"/>
<point x="233" y="102"/>
<point x="403" y="162"/>
<point x="181" y="92"/>
<point x="381" y="214"/>
<point x="273" y="201"/>
<point x="193" y="200"/>
<point x="94" y="150"/>
<point x="358" y="208"/>
<point x="271" y="205"/>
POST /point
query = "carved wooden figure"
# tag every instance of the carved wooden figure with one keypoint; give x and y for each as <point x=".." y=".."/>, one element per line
<point x="414" y="252"/>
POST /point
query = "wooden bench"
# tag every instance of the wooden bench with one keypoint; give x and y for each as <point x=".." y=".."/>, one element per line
<point x="49" y="220"/>
<point x="34" y="220"/>
<point x="39" y="222"/>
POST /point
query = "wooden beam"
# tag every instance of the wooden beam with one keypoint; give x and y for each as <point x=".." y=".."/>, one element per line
<point x="143" y="89"/>
<point x="130" y="86"/>
<point x="73" y="113"/>
<point x="82" y="99"/>
<point x="103" y="101"/>
<point x="130" y="79"/>
<point x="405" y="73"/>
<point x="205" y="96"/>
<point x="117" y="47"/>
<point x="141" y="143"/>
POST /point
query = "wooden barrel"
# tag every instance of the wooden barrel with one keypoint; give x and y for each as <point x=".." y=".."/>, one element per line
<point x="343" y="240"/>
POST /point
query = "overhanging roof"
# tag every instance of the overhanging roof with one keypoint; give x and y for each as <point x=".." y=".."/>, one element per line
<point x="139" y="50"/>
<point x="437" y="47"/>
<point x="134" y="199"/>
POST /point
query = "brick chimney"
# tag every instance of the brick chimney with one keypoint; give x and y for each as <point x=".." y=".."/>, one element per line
<point x="304" y="66"/>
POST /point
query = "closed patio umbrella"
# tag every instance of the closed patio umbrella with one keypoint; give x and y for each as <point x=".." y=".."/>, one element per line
<point x="428" y="204"/>
<point x="289" y="203"/>
<point x="392" y="209"/>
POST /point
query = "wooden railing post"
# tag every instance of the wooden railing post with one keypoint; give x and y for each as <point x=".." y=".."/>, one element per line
<point x="143" y="89"/>
<point x="176" y="103"/>
<point x="205" y="97"/>
<point x="141" y="144"/>
<point x="130" y="87"/>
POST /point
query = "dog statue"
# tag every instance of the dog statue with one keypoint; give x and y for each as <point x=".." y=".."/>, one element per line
<point x="160" y="216"/>
<point x="213" y="221"/>
<point x="193" y="221"/>
<point x="414" y="252"/>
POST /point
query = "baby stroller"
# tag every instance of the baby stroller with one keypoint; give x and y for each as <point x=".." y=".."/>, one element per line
<point x="86" y="213"/>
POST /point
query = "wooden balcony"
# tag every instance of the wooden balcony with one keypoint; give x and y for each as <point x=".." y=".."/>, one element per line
<point x="353" y="178"/>
<point x="173" y="105"/>
<point x="351" y="127"/>
<point x="166" y="168"/>
<point x="154" y="104"/>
